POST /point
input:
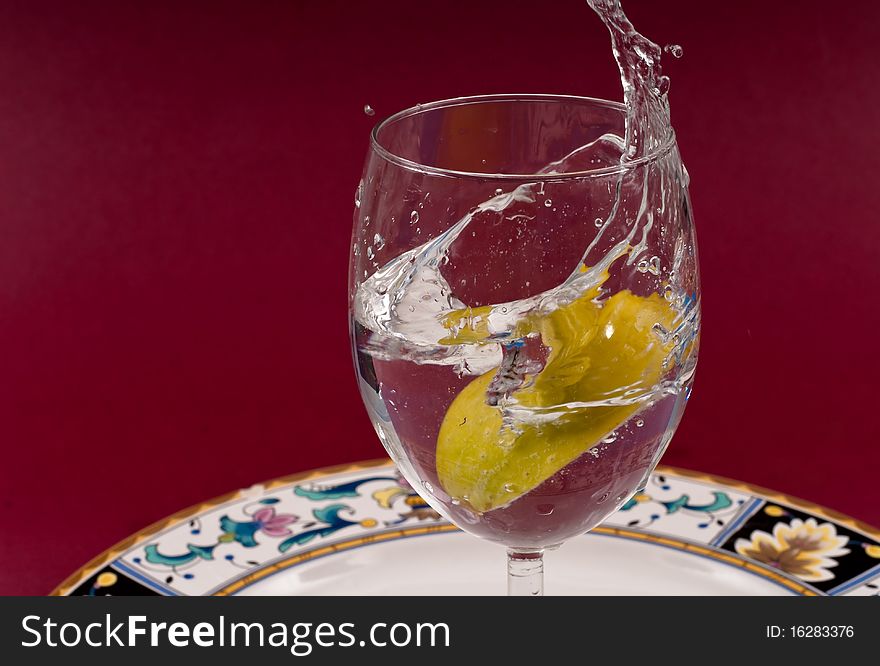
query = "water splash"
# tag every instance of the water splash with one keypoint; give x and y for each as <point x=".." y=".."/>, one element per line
<point x="644" y="85"/>
<point x="402" y="305"/>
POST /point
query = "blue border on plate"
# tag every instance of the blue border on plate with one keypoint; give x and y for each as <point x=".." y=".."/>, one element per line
<point x="749" y="509"/>
<point x="854" y="582"/>
<point x="122" y="567"/>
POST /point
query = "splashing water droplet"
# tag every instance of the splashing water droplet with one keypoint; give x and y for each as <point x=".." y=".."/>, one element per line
<point x="642" y="266"/>
<point x="370" y="253"/>
<point x="599" y="222"/>
<point x="548" y="203"/>
<point x="358" y="195"/>
<point x="662" y="85"/>
<point x="378" y="241"/>
<point x="639" y="423"/>
<point x="369" y="110"/>
<point x="654" y="265"/>
<point x="367" y="221"/>
<point x="499" y="191"/>
<point x="414" y="217"/>
<point x="674" y="49"/>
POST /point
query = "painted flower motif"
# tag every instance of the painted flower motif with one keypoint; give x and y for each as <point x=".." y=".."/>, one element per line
<point x="265" y="520"/>
<point x="273" y="525"/>
<point x="801" y="548"/>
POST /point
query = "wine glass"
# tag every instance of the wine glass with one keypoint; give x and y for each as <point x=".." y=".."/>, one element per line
<point x="524" y="312"/>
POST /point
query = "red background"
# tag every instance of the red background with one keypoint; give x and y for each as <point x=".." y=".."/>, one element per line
<point x="176" y="195"/>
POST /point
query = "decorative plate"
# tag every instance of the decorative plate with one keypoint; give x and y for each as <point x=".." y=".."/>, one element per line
<point x="361" y="529"/>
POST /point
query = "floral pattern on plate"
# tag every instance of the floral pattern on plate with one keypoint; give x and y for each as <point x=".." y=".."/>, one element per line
<point x="830" y="557"/>
<point x="226" y="542"/>
<point x="689" y="509"/>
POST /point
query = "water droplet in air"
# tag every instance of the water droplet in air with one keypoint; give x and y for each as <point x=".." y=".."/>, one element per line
<point x="414" y="217"/>
<point x="674" y="49"/>
<point x="499" y="191"/>
<point x="548" y="203"/>
<point x="662" y="85"/>
<point x="544" y="509"/>
<point x="370" y="253"/>
<point x="654" y="265"/>
<point x="378" y="241"/>
<point x="639" y="423"/>
<point x="359" y="194"/>
<point x="599" y="222"/>
<point x="369" y="110"/>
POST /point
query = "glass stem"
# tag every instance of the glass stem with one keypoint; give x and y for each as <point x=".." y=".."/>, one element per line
<point x="525" y="573"/>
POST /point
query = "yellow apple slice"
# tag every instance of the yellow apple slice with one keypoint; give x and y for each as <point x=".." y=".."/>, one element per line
<point x="596" y="351"/>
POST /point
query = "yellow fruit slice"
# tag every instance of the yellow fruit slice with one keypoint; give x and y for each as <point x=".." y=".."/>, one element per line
<point x="597" y="350"/>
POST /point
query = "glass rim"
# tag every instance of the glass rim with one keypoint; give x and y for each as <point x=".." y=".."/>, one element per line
<point x="412" y="165"/>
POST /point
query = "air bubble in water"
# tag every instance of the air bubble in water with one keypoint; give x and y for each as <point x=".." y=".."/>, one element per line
<point x="378" y="241"/>
<point x="654" y="265"/>
<point x="369" y="110"/>
<point x="674" y="49"/>
<point x="428" y="486"/>
<point x="599" y="222"/>
<point x="610" y="439"/>
<point x="414" y="217"/>
<point x="509" y="488"/>
<point x="548" y="203"/>
<point x="667" y="293"/>
<point x="370" y="254"/>
<point x="639" y="423"/>
<point x="642" y="266"/>
<point x="499" y="191"/>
